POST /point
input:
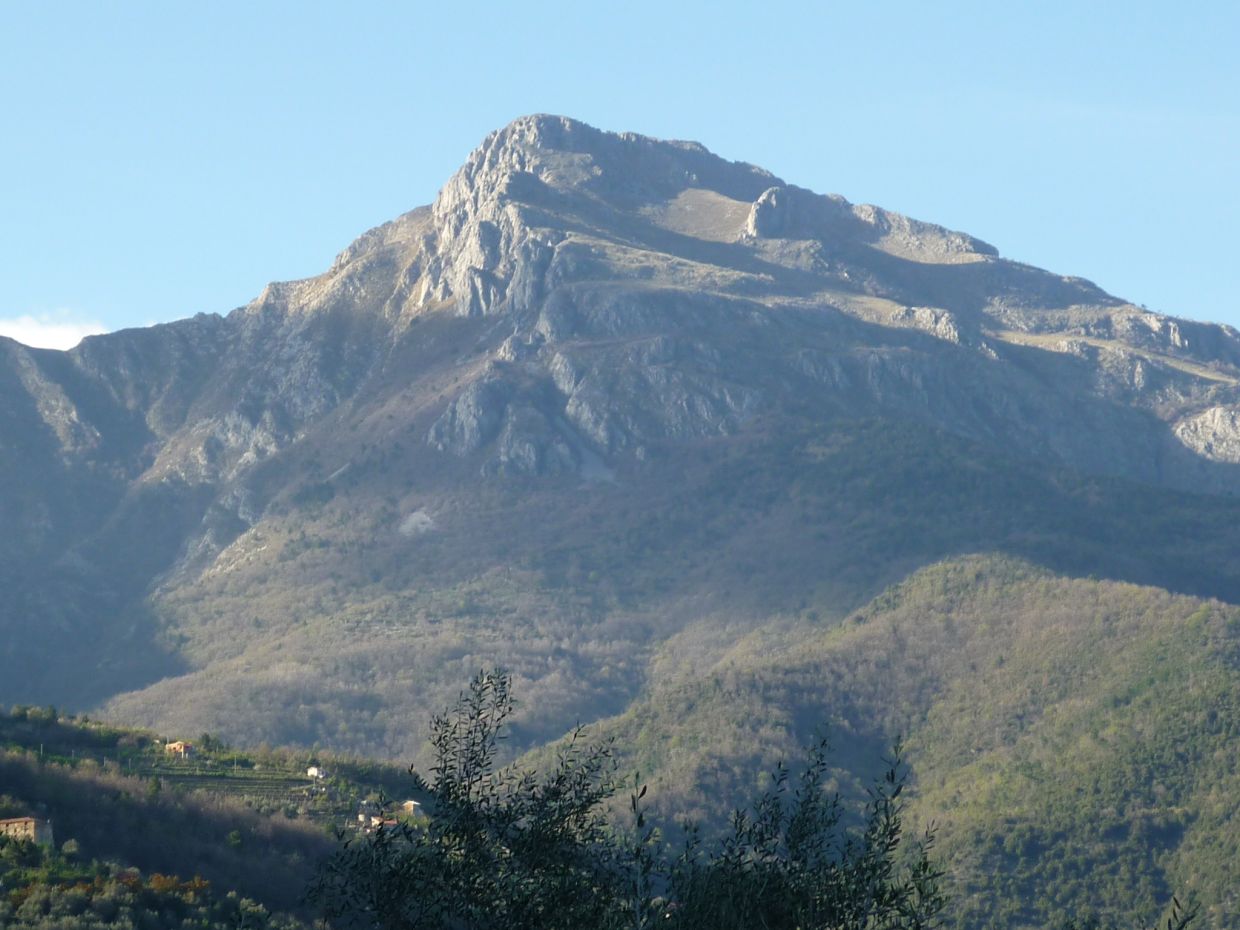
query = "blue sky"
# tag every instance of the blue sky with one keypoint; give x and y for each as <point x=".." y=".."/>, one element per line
<point x="162" y="159"/>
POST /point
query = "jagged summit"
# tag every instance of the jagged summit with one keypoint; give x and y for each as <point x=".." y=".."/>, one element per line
<point x="639" y="173"/>
<point x="565" y="154"/>
<point x="547" y="199"/>
<point x="530" y="186"/>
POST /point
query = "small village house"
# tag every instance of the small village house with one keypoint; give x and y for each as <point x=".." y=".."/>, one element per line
<point x="180" y="749"/>
<point x="317" y="772"/>
<point x="372" y="822"/>
<point x="28" y="828"/>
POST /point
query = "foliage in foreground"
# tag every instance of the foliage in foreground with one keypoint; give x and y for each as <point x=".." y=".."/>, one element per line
<point x="505" y="848"/>
<point x="42" y="889"/>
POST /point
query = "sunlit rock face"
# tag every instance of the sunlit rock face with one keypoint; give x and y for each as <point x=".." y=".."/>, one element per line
<point x="1213" y="434"/>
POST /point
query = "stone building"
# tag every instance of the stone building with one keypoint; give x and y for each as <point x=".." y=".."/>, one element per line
<point x="27" y="828"/>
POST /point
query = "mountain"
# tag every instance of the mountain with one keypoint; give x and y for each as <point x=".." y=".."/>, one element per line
<point x="613" y="411"/>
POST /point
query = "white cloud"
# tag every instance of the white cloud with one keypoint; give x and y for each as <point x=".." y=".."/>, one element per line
<point x="50" y="330"/>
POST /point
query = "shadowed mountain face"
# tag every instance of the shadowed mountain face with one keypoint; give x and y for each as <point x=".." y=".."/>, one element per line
<point x="605" y="387"/>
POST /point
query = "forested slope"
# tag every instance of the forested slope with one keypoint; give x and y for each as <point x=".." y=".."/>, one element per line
<point x="1071" y="738"/>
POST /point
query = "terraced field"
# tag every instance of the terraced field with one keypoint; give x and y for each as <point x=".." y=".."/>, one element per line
<point x="270" y="782"/>
<point x="264" y="790"/>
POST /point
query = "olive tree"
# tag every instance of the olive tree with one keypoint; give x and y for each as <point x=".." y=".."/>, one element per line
<point x="511" y="848"/>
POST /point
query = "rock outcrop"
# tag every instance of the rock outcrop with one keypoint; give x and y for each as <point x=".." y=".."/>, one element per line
<point x="1213" y="434"/>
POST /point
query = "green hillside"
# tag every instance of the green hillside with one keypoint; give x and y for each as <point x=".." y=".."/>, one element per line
<point x="252" y="823"/>
<point x="1070" y="737"/>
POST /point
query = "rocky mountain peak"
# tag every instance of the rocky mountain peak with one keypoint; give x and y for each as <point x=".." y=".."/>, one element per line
<point x="499" y="219"/>
<point x="624" y="291"/>
<point x="566" y="155"/>
<point x="536" y="184"/>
